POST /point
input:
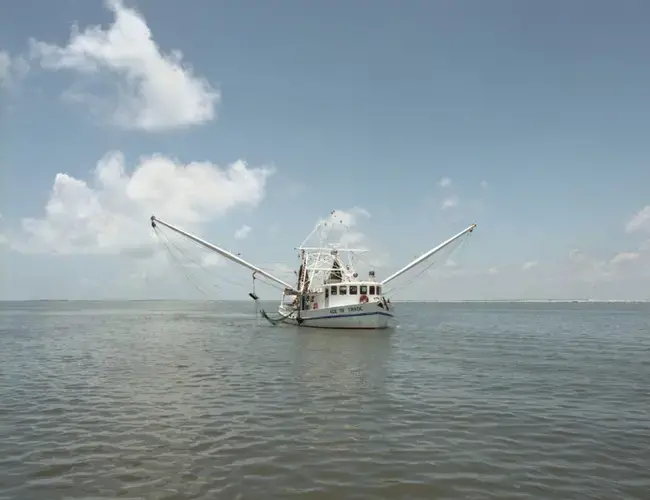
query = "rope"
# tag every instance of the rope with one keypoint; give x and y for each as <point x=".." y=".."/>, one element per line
<point x="162" y="235"/>
<point x="164" y="240"/>
<point x="198" y="264"/>
<point x="167" y="242"/>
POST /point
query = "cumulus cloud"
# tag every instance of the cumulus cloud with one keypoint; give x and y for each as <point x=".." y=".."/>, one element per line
<point x="242" y="232"/>
<point x="583" y="261"/>
<point x="342" y="227"/>
<point x="619" y="275"/>
<point x="591" y="268"/>
<point x="578" y="274"/>
<point x="341" y="224"/>
<point x="109" y="214"/>
<point x="622" y="257"/>
<point x="339" y="219"/>
<point x="154" y="90"/>
<point x="619" y="267"/>
<point x="450" y="202"/>
<point x="640" y="221"/>
<point x="445" y="182"/>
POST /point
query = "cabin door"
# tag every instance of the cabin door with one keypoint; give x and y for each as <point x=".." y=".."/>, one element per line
<point x="327" y="297"/>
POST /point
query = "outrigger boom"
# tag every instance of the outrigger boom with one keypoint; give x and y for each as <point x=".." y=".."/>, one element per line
<point x="223" y="252"/>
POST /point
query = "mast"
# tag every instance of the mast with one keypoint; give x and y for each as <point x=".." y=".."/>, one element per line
<point x="222" y="252"/>
<point x="428" y="254"/>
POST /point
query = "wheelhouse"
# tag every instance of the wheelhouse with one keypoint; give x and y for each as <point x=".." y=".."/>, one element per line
<point x="368" y="289"/>
<point x="343" y="294"/>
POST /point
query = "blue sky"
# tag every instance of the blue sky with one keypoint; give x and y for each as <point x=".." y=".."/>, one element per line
<point x="536" y="113"/>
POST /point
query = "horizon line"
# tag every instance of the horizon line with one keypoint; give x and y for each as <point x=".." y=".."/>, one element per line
<point x="459" y="301"/>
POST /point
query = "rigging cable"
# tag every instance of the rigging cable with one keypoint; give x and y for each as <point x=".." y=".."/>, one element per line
<point x="222" y="278"/>
<point x="399" y="287"/>
<point x="176" y="262"/>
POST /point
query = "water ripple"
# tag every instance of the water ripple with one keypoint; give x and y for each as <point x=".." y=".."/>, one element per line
<point x="201" y="401"/>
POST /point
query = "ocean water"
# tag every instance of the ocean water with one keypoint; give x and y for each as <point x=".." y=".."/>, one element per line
<point x="173" y="400"/>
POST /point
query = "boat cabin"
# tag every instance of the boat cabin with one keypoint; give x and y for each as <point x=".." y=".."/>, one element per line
<point x="342" y="294"/>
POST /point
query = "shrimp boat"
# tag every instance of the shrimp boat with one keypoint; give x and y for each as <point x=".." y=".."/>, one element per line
<point x="329" y="292"/>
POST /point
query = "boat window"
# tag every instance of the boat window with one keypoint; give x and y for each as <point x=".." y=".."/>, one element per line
<point x="334" y="290"/>
<point x="372" y="289"/>
<point x="378" y="290"/>
<point x="363" y="289"/>
<point x="343" y="290"/>
<point x="327" y="293"/>
<point x="353" y="289"/>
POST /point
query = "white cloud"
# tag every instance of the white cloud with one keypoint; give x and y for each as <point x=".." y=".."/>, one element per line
<point x="450" y="202"/>
<point x="589" y="268"/>
<point x="242" y="232"/>
<point x="109" y="215"/>
<point x="212" y="260"/>
<point x="529" y="265"/>
<point x="12" y="70"/>
<point x="624" y="257"/>
<point x="352" y="238"/>
<point x="640" y="221"/>
<point x="580" y="258"/>
<point x="340" y="224"/>
<point x="445" y="182"/>
<point x="155" y="91"/>
<point x="342" y="220"/>
<point x="577" y="276"/>
<point x="339" y="219"/>
<point x="622" y="272"/>
<point x="576" y="255"/>
<point x="184" y="252"/>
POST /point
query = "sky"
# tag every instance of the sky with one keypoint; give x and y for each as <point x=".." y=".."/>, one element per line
<point x="247" y="122"/>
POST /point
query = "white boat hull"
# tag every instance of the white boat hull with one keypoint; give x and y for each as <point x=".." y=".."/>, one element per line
<point x="369" y="316"/>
